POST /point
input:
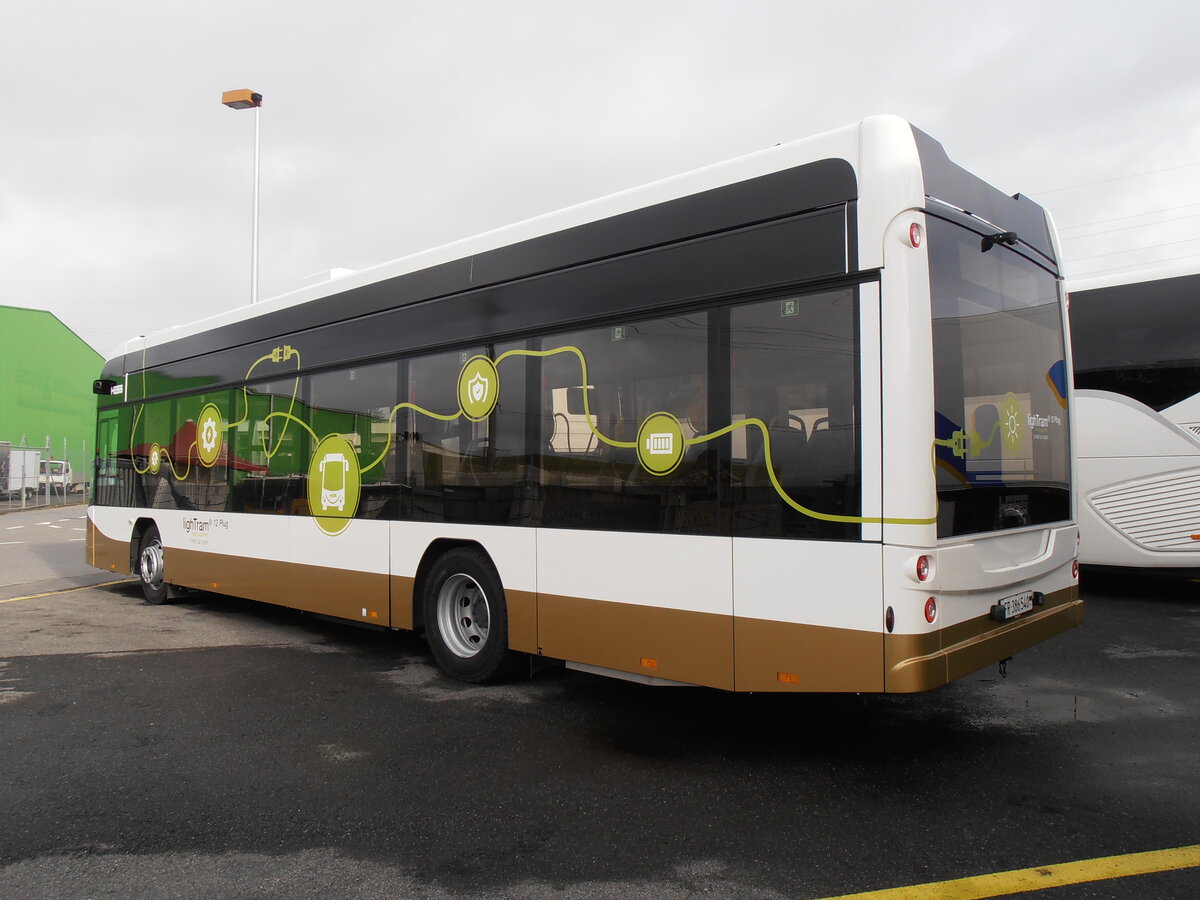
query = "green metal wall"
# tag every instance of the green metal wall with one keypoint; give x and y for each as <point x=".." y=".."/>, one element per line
<point x="46" y="374"/>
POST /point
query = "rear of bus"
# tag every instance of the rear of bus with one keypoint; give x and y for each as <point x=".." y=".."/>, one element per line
<point x="998" y="571"/>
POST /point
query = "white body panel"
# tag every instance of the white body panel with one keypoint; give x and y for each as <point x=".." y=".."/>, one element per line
<point x="1139" y="479"/>
<point x="628" y="567"/>
<point x="836" y="585"/>
<point x="970" y="575"/>
<point x="362" y="546"/>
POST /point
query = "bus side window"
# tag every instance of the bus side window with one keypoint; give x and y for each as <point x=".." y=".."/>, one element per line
<point x="793" y="382"/>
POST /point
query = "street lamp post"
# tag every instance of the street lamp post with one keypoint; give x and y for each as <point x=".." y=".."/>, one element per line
<point x="247" y="99"/>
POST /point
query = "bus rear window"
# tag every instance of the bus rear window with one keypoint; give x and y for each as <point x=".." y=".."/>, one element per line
<point x="1003" y="455"/>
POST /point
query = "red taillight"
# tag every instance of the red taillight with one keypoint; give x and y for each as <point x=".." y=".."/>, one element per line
<point x="914" y="235"/>
<point x="1075" y="569"/>
<point x="924" y="568"/>
<point x="931" y="610"/>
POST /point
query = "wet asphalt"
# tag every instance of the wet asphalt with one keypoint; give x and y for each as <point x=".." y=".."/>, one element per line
<point x="222" y="748"/>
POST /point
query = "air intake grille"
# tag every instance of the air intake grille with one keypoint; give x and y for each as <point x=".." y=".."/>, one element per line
<point x="1159" y="513"/>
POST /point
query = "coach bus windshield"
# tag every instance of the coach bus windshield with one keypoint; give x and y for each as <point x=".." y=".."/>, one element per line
<point x="1001" y="430"/>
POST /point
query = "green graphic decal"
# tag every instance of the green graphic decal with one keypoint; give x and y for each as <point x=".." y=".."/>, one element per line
<point x="334" y="484"/>
<point x="335" y="474"/>
<point x="209" y="434"/>
<point x="478" y="388"/>
<point x="660" y="444"/>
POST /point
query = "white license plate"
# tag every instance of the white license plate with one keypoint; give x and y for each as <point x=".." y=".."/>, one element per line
<point x="1011" y="607"/>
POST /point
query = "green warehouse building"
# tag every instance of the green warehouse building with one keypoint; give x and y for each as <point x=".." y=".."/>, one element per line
<point x="47" y="372"/>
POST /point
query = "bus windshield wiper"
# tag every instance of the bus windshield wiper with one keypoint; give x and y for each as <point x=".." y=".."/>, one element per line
<point x="1000" y="237"/>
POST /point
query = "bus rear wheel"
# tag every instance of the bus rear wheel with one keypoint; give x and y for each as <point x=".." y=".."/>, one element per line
<point x="150" y="568"/>
<point x="466" y="618"/>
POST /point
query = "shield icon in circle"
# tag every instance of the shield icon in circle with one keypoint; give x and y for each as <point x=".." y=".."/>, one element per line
<point x="479" y="388"/>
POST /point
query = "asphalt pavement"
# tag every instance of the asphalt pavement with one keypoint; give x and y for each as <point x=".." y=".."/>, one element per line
<point x="221" y="748"/>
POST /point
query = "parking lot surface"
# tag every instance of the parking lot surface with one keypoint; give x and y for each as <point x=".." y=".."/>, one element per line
<point x="222" y="748"/>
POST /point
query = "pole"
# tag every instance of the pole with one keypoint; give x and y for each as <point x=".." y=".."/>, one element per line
<point x="254" y="240"/>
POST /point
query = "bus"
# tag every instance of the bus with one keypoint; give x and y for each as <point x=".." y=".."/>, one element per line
<point x="1136" y="339"/>
<point x="799" y="421"/>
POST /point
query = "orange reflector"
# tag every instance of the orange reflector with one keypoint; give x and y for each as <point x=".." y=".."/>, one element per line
<point x="788" y="677"/>
<point x="1196" y="537"/>
<point x="214" y="584"/>
<point x="648" y="663"/>
<point x="372" y="615"/>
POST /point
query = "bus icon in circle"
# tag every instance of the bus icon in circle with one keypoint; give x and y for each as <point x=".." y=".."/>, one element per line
<point x="660" y="444"/>
<point x="333" y="468"/>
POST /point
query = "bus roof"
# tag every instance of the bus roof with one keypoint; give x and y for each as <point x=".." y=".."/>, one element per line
<point x="914" y="163"/>
<point x="1156" y="272"/>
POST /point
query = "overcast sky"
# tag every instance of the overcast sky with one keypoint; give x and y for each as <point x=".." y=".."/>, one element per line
<point x="392" y="127"/>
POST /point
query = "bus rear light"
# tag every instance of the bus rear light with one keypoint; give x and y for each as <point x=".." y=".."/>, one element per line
<point x="889" y="619"/>
<point x="1075" y="569"/>
<point x="931" y="610"/>
<point x="914" y="235"/>
<point x="924" y="568"/>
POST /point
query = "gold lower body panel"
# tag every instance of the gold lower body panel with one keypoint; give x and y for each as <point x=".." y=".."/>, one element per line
<point x="921" y="662"/>
<point x="105" y="553"/>
<point x="720" y="651"/>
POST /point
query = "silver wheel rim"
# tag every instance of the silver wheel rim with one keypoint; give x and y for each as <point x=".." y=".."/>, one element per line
<point x="464" y="616"/>
<point x="150" y="564"/>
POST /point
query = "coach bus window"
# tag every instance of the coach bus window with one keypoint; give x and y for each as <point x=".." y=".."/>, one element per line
<point x="637" y="374"/>
<point x="794" y="369"/>
<point x="1141" y="340"/>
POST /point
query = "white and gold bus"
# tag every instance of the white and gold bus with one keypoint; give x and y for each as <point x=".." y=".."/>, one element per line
<point x="795" y="422"/>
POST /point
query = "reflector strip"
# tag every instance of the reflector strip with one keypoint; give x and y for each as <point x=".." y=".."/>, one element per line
<point x="1019" y="881"/>
<point x="69" y="590"/>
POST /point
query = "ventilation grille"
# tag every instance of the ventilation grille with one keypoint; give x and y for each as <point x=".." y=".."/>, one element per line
<point x="1159" y="513"/>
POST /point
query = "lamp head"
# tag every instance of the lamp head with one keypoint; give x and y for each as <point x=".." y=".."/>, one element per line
<point x="243" y="99"/>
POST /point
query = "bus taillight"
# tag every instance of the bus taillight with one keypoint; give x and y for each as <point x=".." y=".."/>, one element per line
<point x="931" y="610"/>
<point x="924" y="568"/>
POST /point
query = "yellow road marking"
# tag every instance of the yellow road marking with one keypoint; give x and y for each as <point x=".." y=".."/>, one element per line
<point x="1019" y="881"/>
<point x="68" y="590"/>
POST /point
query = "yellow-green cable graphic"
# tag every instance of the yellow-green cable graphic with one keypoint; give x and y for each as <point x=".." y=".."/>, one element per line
<point x="660" y="443"/>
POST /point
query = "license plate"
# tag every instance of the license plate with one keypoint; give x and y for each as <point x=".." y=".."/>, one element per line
<point x="1011" y="607"/>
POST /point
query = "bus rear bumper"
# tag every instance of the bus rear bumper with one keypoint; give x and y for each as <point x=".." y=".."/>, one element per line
<point x="922" y="662"/>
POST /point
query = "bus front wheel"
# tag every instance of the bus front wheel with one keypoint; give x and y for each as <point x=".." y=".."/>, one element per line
<point x="150" y="567"/>
<point x="466" y="618"/>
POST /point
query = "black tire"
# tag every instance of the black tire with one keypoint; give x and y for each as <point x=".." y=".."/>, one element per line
<point x="150" y="568"/>
<point x="466" y="617"/>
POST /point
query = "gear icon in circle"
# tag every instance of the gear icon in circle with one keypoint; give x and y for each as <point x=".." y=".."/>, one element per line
<point x="208" y="436"/>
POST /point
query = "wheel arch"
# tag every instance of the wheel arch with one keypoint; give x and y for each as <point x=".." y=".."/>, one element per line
<point x="437" y="549"/>
<point x="140" y="527"/>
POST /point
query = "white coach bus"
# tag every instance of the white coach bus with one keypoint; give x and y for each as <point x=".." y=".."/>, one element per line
<point x="820" y="415"/>
<point x="1136" y="339"/>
